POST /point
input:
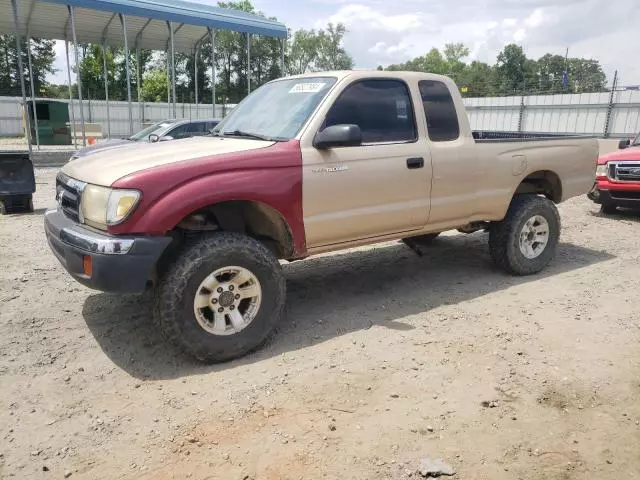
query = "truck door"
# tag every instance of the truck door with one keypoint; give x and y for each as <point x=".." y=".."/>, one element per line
<point x="456" y="171"/>
<point x="379" y="187"/>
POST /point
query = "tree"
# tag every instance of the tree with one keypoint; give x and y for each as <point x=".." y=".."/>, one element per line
<point x="453" y="55"/>
<point x="512" y="69"/>
<point x="312" y="51"/>
<point x="42" y="56"/>
<point x="92" y="72"/>
<point x="431" y="62"/>
<point x="154" y="85"/>
<point x="586" y="75"/>
<point x="478" y="77"/>
<point x="331" y="53"/>
<point x="303" y="52"/>
<point x="550" y="72"/>
<point x="513" y="73"/>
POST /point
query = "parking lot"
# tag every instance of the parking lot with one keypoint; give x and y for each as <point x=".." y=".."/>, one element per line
<point x="385" y="358"/>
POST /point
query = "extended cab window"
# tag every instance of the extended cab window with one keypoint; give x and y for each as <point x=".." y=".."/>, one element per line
<point x="442" y="119"/>
<point x="381" y="108"/>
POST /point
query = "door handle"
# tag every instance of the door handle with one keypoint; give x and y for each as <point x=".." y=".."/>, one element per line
<point x="415" y="162"/>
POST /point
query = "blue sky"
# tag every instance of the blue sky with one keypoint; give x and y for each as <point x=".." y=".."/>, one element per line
<point x="392" y="31"/>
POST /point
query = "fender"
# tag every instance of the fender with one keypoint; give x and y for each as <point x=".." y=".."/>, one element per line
<point x="271" y="176"/>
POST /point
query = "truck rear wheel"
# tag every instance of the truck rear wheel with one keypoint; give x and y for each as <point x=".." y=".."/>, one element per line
<point x="221" y="297"/>
<point x="526" y="240"/>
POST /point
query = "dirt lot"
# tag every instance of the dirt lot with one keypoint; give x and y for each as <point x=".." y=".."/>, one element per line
<point x="385" y="358"/>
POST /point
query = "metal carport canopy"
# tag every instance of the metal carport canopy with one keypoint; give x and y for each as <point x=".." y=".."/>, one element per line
<point x="97" y="22"/>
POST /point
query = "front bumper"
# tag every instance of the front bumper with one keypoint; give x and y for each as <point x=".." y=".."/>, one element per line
<point x="119" y="264"/>
<point x="614" y="197"/>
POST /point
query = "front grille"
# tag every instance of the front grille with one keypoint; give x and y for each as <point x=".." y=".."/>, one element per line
<point x="624" y="171"/>
<point x="68" y="193"/>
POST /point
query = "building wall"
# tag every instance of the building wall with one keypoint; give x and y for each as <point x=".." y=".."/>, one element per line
<point x="584" y="113"/>
<point x="95" y="111"/>
<point x="573" y="113"/>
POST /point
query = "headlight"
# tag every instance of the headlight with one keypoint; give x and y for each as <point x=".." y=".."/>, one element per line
<point x="601" y="170"/>
<point x="101" y="206"/>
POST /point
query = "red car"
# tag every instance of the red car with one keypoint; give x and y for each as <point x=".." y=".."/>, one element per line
<point x="618" y="178"/>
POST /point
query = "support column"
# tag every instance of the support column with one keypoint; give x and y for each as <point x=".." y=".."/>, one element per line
<point x="521" y="113"/>
<point x="284" y="43"/>
<point x="14" y="7"/>
<point x="123" y="22"/>
<point x="195" y="75"/>
<point x="607" y="121"/>
<point x="33" y="93"/>
<point x="139" y="87"/>
<point x="248" y="63"/>
<point x="72" y="14"/>
<point x="168" y="83"/>
<point x="106" y="88"/>
<point x="71" y="103"/>
<point x="173" y="67"/>
<point x="212" y="34"/>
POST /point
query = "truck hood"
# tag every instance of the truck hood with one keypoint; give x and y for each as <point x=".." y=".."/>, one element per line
<point x="630" y="153"/>
<point x="104" y="145"/>
<point x="107" y="166"/>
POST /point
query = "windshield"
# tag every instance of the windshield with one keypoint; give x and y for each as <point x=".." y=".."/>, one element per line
<point x="277" y="110"/>
<point x="156" y="129"/>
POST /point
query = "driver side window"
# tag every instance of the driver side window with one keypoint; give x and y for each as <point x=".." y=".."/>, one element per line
<point x="381" y="108"/>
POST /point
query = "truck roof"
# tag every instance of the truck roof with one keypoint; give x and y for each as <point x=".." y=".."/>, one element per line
<point x="340" y="74"/>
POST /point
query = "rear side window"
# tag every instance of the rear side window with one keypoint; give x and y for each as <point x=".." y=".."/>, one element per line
<point x="442" y="119"/>
<point x="197" y="127"/>
<point x="179" y="132"/>
<point x="381" y="108"/>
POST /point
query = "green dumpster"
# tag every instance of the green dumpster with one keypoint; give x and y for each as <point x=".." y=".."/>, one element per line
<point x="53" y="119"/>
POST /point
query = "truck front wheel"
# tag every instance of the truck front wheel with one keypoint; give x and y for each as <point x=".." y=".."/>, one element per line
<point x="525" y="241"/>
<point x="221" y="297"/>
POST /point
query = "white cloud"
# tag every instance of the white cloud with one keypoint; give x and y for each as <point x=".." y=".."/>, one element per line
<point x="383" y="32"/>
<point x="393" y="32"/>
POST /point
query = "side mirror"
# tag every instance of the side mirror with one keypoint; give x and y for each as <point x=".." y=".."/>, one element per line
<point x="338" y="136"/>
<point x="153" y="138"/>
<point x="624" y="144"/>
<point x="166" y="138"/>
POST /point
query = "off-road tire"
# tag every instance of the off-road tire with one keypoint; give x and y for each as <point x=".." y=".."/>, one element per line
<point x="608" y="209"/>
<point x="504" y="236"/>
<point x="174" y="295"/>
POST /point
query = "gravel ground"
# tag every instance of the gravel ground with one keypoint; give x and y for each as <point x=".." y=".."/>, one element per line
<point x="385" y="358"/>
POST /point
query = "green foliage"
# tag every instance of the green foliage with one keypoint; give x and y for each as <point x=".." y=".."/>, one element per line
<point x="513" y="73"/>
<point x="314" y="51"/>
<point x="42" y="55"/>
<point x="154" y="86"/>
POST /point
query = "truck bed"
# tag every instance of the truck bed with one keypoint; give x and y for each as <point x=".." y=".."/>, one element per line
<point x="485" y="136"/>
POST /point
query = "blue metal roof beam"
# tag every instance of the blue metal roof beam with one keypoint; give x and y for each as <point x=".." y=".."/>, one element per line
<point x="178" y="11"/>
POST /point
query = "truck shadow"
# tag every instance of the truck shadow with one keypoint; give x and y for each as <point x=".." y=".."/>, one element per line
<point x="329" y="296"/>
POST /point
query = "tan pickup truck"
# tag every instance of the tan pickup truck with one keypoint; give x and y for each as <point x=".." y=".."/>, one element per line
<point x="305" y="165"/>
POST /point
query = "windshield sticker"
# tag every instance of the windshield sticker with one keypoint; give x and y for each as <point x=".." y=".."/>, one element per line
<point x="307" y="87"/>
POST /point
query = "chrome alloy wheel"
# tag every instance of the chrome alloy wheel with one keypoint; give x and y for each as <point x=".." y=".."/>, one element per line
<point x="227" y="301"/>
<point x="534" y="237"/>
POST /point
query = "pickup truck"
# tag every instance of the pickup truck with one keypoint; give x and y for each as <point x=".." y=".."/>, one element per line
<point x="618" y="178"/>
<point x="305" y="165"/>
